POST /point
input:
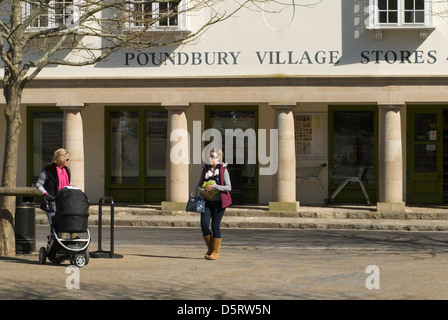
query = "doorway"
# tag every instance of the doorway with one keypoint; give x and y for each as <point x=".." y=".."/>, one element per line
<point x="243" y="174"/>
<point x="427" y="155"/>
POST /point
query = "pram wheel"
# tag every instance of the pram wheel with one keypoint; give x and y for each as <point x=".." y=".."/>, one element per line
<point x="42" y="255"/>
<point x="80" y="259"/>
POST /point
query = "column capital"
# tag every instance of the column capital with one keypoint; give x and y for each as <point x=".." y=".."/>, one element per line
<point x="283" y="105"/>
<point x="176" y="107"/>
<point x="71" y="106"/>
<point x="391" y="105"/>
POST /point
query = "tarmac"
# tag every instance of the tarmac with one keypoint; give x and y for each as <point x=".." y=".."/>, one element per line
<point x="347" y="216"/>
<point x="243" y="275"/>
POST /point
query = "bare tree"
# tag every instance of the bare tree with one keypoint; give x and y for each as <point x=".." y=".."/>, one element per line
<point x="38" y="33"/>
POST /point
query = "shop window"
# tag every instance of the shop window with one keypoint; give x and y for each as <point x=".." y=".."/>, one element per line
<point x="239" y="125"/>
<point x="136" y="143"/>
<point x="352" y="136"/>
<point x="124" y="147"/>
<point x="156" y="144"/>
<point x="44" y="137"/>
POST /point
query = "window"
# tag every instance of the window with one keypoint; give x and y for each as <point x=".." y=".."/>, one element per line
<point x="44" y="137"/>
<point x="154" y="15"/>
<point x="136" y="142"/>
<point x="400" y="14"/>
<point x="353" y="148"/>
<point x="55" y="14"/>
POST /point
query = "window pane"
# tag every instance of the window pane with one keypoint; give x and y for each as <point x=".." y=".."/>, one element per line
<point x="233" y="120"/>
<point x="156" y="144"/>
<point x="383" y="17"/>
<point x="409" y="17"/>
<point x="47" y="137"/>
<point x="163" y="10"/>
<point x="419" y="17"/>
<point x="425" y="127"/>
<point x="353" y="139"/>
<point x="419" y="4"/>
<point x="425" y="158"/>
<point x="393" y="17"/>
<point x="393" y="5"/>
<point x="409" y="5"/>
<point x="124" y="147"/>
<point x="382" y="4"/>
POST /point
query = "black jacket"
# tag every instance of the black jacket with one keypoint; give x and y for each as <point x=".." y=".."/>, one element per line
<point x="52" y="182"/>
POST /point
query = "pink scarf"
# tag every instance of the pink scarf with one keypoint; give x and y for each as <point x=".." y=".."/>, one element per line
<point x="62" y="177"/>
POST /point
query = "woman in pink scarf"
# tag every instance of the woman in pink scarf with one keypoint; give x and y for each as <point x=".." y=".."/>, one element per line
<point x="54" y="177"/>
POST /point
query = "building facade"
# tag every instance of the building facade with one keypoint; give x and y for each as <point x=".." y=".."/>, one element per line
<point x="350" y="84"/>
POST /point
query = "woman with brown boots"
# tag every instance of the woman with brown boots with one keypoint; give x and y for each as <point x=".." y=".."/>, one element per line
<point x="214" y="185"/>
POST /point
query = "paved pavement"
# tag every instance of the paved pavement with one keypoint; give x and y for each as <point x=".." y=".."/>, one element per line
<point x="243" y="273"/>
<point x="415" y="218"/>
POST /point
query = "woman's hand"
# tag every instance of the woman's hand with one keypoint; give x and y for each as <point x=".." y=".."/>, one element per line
<point x="210" y="187"/>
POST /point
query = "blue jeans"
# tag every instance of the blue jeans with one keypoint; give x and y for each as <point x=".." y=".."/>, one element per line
<point x="215" y="212"/>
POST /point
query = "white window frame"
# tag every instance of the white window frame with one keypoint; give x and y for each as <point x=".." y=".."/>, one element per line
<point x="375" y="24"/>
<point x="52" y="15"/>
<point x="181" y="18"/>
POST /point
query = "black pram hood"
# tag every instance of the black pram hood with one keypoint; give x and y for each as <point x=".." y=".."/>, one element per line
<point x="72" y="201"/>
<point x="72" y="210"/>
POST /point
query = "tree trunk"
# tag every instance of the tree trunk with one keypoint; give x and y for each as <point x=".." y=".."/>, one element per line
<point x="13" y="95"/>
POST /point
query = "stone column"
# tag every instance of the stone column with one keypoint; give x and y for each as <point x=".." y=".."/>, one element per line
<point x="286" y="173"/>
<point x="73" y="142"/>
<point x="177" y="154"/>
<point x="391" y="160"/>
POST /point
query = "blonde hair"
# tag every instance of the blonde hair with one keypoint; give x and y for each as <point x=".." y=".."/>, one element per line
<point x="218" y="152"/>
<point x="59" y="156"/>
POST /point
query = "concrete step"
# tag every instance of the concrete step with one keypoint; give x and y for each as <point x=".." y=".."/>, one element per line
<point x="331" y="217"/>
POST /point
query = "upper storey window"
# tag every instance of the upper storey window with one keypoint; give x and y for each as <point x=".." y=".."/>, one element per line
<point x="56" y="14"/>
<point x="156" y="15"/>
<point x="401" y="14"/>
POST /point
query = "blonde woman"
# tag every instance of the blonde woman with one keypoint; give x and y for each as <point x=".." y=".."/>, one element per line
<point x="214" y="185"/>
<point x="54" y="177"/>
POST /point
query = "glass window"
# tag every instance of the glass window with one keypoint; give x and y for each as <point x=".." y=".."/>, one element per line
<point x="399" y="13"/>
<point x="156" y="144"/>
<point x="55" y="13"/>
<point x="147" y="14"/>
<point x="233" y="120"/>
<point x="353" y="139"/>
<point x="388" y="11"/>
<point x="425" y="157"/>
<point x="425" y="127"/>
<point x="47" y="137"/>
<point x="124" y="147"/>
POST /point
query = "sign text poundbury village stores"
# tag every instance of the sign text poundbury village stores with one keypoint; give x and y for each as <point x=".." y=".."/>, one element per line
<point x="276" y="57"/>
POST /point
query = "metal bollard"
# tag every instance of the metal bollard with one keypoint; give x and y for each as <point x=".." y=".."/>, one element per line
<point x="100" y="253"/>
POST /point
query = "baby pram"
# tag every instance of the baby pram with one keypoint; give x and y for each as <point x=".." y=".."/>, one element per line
<point x="70" y="215"/>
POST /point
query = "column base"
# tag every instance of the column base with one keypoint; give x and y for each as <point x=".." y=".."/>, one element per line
<point x="387" y="207"/>
<point x="173" y="205"/>
<point x="284" y="206"/>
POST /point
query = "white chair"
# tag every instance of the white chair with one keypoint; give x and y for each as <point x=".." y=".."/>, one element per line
<point x="311" y="174"/>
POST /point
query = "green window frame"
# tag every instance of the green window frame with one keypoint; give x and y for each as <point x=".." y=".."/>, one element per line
<point x="44" y="136"/>
<point x="353" y="142"/>
<point x="135" y="153"/>
<point x="244" y="177"/>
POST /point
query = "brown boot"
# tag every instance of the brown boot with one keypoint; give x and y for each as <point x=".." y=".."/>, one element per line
<point x="216" y="247"/>
<point x="209" y="243"/>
